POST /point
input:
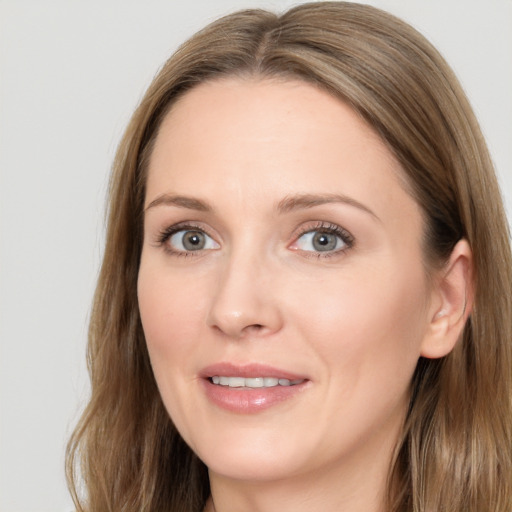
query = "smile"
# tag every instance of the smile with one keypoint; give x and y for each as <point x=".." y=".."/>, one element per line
<point x="253" y="382"/>
<point x="250" y="388"/>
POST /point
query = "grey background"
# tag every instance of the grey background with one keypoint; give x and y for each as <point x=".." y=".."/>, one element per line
<point x="71" y="72"/>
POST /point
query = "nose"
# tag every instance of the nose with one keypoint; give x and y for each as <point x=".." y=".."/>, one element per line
<point x="245" y="302"/>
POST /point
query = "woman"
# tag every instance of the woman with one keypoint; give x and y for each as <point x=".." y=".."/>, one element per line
<point x="305" y="295"/>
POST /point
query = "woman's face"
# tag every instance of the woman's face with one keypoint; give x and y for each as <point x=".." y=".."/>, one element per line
<point x="281" y="286"/>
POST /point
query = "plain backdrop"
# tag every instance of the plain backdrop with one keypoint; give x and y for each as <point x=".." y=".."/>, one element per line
<point x="71" y="73"/>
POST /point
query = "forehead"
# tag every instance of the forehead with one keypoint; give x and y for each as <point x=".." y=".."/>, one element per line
<point x="256" y="139"/>
<point x="254" y="111"/>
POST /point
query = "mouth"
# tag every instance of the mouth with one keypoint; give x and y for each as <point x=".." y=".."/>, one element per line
<point x="253" y="382"/>
<point x="250" y="388"/>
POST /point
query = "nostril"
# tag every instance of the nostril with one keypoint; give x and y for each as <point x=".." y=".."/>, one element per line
<point x="253" y="328"/>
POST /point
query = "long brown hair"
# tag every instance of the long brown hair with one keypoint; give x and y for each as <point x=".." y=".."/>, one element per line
<point x="456" y="449"/>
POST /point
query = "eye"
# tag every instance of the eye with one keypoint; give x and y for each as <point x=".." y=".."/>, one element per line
<point x="319" y="241"/>
<point x="323" y="239"/>
<point x="190" y="240"/>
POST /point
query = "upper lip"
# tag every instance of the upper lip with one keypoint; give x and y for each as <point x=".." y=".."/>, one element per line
<point x="250" y="370"/>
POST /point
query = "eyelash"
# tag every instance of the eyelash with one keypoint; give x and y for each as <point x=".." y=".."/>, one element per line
<point x="167" y="233"/>
<point x="323" y="227"/>
<point x="328" y="228"/>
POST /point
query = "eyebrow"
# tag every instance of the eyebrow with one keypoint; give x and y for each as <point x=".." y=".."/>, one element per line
<point x="288" y="204"/>
<point x="297" y="202"/>
<point x="189" y="203"/>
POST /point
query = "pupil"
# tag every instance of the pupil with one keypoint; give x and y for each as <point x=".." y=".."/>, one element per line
<point x="193" y="240"/>
<point x="324" y="241"/>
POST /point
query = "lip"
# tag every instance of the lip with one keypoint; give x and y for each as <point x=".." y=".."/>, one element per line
<point x="248" y="371"/>
<point x="244" y="400"/>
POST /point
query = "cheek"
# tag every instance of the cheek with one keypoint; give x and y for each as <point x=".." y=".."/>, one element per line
<point x="367" y="322"/>
<point x="171" y="309"/>
<point x="366" y="337"/>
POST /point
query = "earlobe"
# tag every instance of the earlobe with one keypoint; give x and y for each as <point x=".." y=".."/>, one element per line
<point x="453" y="296"/>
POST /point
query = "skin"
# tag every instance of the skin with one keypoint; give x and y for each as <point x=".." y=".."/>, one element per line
<point x="353" y="321"/>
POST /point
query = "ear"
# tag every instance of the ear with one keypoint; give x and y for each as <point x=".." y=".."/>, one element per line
<point x="452" y="302"/>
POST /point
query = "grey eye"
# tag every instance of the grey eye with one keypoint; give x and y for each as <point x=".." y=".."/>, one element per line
<point x="188" y="240"/>
<point x="320" y="241"/>
<point x="324" y="241"/>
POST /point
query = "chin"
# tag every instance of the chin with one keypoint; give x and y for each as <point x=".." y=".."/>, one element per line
<point x="252" y="455"/>
<point x="253" y="467"/>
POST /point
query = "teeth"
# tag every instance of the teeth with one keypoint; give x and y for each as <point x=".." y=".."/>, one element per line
<point x="257" y="382"/>
<point x="233" y="382"/>
<point x="254" y="382"/>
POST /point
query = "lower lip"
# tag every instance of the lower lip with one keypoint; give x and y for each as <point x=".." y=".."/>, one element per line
<point x="248" y="401"/>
